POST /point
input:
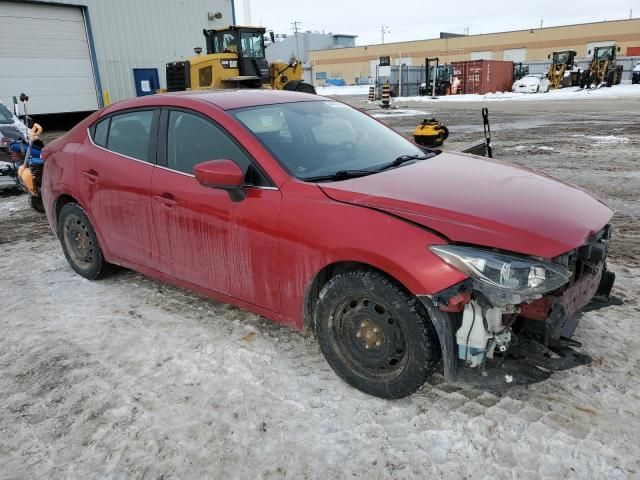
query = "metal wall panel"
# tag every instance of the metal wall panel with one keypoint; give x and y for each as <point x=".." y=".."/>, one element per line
<point x="130" y="34"/>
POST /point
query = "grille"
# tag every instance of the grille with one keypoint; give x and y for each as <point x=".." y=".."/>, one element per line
<point x="178" y="76"/>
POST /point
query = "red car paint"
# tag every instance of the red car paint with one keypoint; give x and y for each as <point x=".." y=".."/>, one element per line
<point x="263" y="253"/>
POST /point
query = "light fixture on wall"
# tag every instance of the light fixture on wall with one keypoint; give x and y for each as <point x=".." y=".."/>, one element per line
<point x="214" y="16"/>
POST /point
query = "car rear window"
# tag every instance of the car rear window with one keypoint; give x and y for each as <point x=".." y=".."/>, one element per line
<point x="100" y="132"/>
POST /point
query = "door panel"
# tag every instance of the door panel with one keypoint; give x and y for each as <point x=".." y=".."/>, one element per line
<point x="114" y="171"/>
<point x="206" y="239"/>
<point x="115" y="190"/>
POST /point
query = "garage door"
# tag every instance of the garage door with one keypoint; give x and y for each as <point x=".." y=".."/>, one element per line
<point x="44" y="53"/>
<point x="483" y="55"/>
<point x="515" y="54"/>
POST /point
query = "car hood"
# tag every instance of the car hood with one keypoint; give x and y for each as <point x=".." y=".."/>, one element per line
<point x="529" y="82"/>
<point x="473" y="200"/>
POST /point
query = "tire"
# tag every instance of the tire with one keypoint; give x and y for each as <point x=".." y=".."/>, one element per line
<point x="80" y="243"/>
<point x="36" y="203"/>
<point x="445" y="133"/>
<point x="299" y="86"/>
<point x="375" y="335"/>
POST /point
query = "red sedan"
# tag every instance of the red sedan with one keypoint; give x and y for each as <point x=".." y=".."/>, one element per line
<point x="311" y="213"/>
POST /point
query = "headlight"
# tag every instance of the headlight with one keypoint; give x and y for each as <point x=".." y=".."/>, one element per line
<point x="516" y="274"/>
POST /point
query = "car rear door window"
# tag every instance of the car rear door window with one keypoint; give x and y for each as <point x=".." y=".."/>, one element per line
<point x="100" y="132"/>
<point x="191" y="139"/>
<point x="129" y="134"/>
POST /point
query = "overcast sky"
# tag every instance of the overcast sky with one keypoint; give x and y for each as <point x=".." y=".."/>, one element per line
<point x="419" y="19"/>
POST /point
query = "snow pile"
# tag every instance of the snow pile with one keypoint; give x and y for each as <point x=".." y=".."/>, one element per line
<point x="605" y="139"/>
<point x="346" y="90"/>
<point x="400" y="113"/>
<point x="572" y="93"/>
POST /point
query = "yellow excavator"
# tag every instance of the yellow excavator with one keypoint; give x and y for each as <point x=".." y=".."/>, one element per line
<point x="235" y="58"/>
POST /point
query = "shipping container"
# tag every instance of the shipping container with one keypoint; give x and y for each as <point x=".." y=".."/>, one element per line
<point x="484" y="76"/>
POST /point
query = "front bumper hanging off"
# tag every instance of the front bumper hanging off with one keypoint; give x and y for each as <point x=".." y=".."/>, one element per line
<point x="540" y="350"/>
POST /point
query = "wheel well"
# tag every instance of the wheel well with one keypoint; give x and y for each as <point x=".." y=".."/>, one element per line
<point x="61" y="201"/>
<point x="321" y="279"/>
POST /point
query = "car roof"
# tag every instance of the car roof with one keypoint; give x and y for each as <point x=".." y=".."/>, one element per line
<point x="227" y="99"/>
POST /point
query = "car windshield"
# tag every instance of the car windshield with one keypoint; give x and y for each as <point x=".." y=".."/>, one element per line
<point x="322" y="138"/>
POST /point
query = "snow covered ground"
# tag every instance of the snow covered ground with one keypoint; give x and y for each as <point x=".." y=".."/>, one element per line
<point x="574" y="93"/>
<point x="130" y="378"/>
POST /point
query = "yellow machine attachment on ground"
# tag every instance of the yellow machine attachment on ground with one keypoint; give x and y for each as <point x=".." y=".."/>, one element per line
<point x="430" y="133"/>
<point x="235" y="58"/>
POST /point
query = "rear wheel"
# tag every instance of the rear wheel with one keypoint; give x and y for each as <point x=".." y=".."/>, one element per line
<point x="79" y="242"/>
<point x="374" y="335"/>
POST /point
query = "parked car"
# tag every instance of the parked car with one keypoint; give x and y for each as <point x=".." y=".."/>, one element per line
<point x="635" y="74"/>
<point x="11" y="129"/>
<point x="311" y="213"/>
<point x="532" y="83"/>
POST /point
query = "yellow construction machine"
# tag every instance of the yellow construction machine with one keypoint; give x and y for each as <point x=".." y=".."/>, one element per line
<point x="603" y="69"/>
<point x="563" y="71"/>
<point x="235" y="58"/>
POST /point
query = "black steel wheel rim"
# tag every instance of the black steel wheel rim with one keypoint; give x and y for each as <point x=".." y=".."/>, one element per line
<point x="78" y="241"/>
<point x="368" y="337"/>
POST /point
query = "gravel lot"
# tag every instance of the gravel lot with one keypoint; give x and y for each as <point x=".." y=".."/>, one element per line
<point x="130" y="378"/>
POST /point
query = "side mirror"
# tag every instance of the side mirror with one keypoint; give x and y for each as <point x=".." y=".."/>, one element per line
<point x="272" y="37"/>
<point x="618" y="49"/>
<point x="549" y="56"/>
<point x="222" y="174"/>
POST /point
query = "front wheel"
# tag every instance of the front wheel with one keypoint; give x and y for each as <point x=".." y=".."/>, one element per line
<point x="375" y="335"/>
<point x="80" y="243"/>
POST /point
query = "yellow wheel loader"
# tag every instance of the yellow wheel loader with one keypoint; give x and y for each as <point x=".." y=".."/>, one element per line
<point x="235" y="58"/>
<point x="603" y="69"/>
<point x="563" y="71"/>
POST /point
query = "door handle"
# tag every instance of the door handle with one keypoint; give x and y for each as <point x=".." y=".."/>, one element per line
<point x="91" y="176"/>
<point x="166" y="199"/>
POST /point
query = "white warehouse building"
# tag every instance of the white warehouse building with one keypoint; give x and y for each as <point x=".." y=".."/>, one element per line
<point x="72" y="55"/>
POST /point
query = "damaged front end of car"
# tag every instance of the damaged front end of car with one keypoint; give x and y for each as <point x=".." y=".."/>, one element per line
<point x="511" y="321"/>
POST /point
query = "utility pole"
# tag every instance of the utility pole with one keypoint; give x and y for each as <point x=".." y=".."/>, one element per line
<point x="383" y="30"/>
<point x="295" y="30"/>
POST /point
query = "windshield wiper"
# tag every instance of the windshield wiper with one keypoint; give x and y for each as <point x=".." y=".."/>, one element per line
<point x="340" y="175"/>
<point x="402" y="159"/>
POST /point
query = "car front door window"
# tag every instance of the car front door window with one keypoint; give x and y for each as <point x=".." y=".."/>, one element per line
<point x="191" y="139"/>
